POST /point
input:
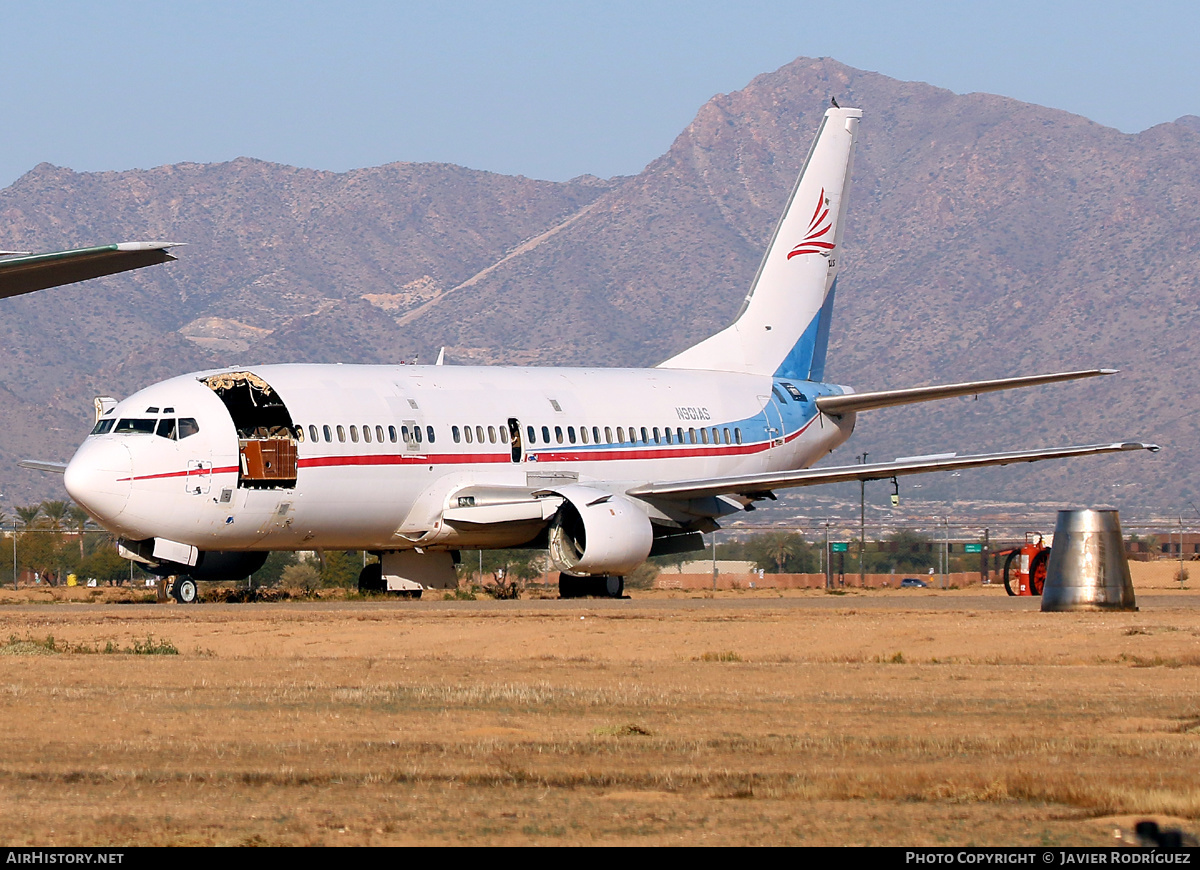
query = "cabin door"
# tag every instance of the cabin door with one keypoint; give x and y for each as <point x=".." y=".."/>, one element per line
<point x="514" y="439"/>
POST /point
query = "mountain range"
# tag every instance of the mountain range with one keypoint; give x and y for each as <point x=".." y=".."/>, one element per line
<point x="987" y="237"/>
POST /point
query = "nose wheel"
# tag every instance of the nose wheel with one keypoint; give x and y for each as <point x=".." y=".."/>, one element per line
<point x="185" y="591"/>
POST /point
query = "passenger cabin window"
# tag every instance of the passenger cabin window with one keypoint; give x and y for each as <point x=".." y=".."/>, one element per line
<point x="491" y="434"/>
<point x="429" y="434"/>
<point x="470" y="435"/>
<point x="530" y="433"/>
<point x="571" y="434"/>
<point x="328" y="433"/>
<point x="379" y="434"/>
<point x="341" y="434"/>
<point x="312" y="434"/>
<point x="392" y="434"/>
<point x="354" y="434"/>
<point x="456" y="434"/>
<point x="545" y="434"/>
<point x="367" y="434"/>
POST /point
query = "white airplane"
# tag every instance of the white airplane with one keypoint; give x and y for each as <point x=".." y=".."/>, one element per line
<point x="202" y="475"/>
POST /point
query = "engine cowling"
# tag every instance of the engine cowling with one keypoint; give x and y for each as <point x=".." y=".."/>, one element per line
<point x="215" y="565"/>
<point x="597" y="532"/>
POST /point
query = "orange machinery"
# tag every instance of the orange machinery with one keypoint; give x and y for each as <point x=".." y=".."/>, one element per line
<point x="1025" y="567"/>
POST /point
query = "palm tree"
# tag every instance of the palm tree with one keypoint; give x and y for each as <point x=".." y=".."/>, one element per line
<point x="78" y="518"/>
<point x="56" y="513"/>
<point x="29" y="515"/>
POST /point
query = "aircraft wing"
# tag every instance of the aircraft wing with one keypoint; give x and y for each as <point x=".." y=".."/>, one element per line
<point x="760" y="485"/>
<point x="25" y="274"/>
<point x="887" y="398"/>
<point x="43" y="465"/>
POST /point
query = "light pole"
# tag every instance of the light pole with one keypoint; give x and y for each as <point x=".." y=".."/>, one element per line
<point x="862" y="522"/>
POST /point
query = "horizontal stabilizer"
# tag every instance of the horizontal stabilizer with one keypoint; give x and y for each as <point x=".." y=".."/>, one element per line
<point x="26" y="274"/>
<point x="43" y="465"/>
<point x="853" y="402"/>
<point x="757" y="485"/>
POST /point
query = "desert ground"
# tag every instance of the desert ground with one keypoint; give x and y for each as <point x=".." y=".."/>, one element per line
<point x="881" y="717"/>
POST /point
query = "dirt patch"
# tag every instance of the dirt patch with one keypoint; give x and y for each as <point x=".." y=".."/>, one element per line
<point x="954" y="717"/>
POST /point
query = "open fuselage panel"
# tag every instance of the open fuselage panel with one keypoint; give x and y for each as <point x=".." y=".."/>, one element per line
<point x="266" y="435"/>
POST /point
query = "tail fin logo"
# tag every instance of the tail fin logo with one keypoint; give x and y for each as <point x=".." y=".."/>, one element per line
<point x="818" y="227"/>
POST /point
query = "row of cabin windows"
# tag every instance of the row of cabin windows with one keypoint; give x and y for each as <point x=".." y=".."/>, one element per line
<point x="406" y="434"/>
<point x="491" y="434"/>
<point x="714" y="435"/>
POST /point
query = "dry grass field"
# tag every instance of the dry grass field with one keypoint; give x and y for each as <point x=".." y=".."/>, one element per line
<point x="901" y="717"/>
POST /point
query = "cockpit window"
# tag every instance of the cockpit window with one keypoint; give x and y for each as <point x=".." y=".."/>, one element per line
<point x="166" y="428"/>
<point x="103" y="427"/>
<point x="134" y="426"/>
<point x="187" y="427"/>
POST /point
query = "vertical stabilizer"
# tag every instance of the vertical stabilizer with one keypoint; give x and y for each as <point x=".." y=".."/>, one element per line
<point x="783" y="327"/>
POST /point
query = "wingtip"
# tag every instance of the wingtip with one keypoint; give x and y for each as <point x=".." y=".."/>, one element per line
<point x="149" y="246"/>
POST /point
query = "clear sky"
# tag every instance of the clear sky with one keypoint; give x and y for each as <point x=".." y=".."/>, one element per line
<point x="544" y="89"/>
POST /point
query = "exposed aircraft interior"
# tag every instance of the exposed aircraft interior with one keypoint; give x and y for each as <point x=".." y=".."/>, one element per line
<point x="266" y="436"/>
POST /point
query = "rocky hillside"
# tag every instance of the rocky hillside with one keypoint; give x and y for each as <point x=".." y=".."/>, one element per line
<point x="987" y="237"/>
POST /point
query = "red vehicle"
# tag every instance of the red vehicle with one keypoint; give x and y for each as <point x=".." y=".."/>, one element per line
<point x="1025" y="567"/>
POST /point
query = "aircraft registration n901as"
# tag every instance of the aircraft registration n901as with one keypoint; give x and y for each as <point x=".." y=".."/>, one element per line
<point x="204" y="474"/>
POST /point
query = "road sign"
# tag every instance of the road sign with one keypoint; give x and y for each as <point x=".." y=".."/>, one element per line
<point x="840" y="546"/>
<point x="973" y="548"/>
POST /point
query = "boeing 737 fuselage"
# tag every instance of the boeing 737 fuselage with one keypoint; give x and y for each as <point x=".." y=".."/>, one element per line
<point x="203" y="474"/>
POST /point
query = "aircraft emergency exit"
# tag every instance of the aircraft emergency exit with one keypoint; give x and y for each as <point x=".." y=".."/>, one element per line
<point x="204" y="474"/>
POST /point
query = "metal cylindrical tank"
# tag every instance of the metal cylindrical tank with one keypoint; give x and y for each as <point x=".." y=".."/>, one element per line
<point x="1088" y="569"/>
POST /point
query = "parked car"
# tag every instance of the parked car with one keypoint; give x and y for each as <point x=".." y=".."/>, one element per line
<point x="913" y="581"/>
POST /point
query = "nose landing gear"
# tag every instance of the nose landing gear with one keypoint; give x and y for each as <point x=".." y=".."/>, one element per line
<point x="185" y="591"/>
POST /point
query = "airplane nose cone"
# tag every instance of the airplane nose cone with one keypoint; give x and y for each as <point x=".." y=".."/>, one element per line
<point x="99" y="477"/>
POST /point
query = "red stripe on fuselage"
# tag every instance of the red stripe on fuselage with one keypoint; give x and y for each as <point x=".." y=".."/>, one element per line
<point x="616" y="454"/>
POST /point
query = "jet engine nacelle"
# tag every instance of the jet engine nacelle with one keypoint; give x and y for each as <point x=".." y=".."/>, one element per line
<point x="208" y="564"/>
<point x="596" y="532"/>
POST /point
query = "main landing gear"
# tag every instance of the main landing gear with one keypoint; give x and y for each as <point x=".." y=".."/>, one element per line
<point x="600" y="586"/>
